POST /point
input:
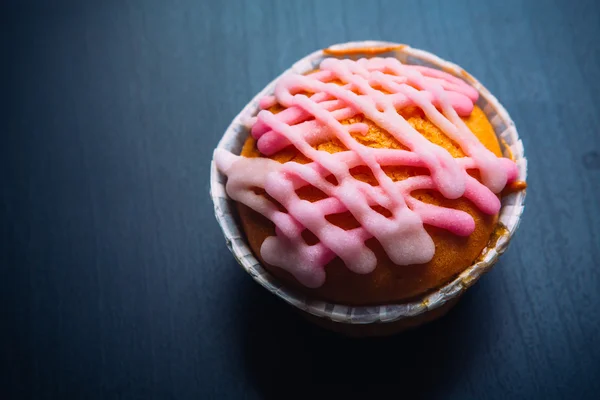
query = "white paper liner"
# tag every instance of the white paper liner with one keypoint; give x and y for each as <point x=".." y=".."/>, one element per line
<point x="510" y="214"/>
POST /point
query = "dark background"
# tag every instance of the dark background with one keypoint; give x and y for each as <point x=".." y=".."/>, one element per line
<point x="115" y="278"/>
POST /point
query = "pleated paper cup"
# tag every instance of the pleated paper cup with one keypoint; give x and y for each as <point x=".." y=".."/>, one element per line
<point x="385" y="318"/>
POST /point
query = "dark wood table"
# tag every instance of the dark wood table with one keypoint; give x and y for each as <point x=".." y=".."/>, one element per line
<point x="115" y="278"/>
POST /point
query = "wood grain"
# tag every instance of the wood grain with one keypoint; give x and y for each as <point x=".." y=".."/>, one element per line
<point x="116" y="281"/>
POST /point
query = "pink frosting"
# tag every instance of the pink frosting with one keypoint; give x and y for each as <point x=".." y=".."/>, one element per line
<point x="310" y="120"/>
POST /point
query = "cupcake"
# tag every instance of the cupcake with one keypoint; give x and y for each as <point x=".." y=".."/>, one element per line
<point x="369" y="183"/>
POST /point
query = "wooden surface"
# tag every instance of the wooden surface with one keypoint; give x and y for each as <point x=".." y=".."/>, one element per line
<point x="115" y="278"/>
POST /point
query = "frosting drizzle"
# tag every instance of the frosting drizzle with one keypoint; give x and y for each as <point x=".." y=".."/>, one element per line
<point x="375" y="88"/>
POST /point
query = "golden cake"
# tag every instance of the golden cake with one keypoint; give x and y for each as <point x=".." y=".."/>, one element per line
<point x="369" y="182"/>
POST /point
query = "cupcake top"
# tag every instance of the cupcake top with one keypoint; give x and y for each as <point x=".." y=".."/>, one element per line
<point x="339" y="104"/>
